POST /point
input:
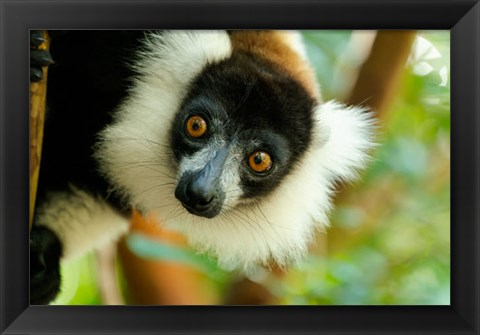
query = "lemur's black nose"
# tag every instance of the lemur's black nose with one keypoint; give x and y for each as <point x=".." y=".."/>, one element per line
<point x="199" y="191"/>
<point x="198" y="196"/>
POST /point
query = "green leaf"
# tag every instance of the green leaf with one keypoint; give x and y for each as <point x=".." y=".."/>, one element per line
<point x="149" y="248"/>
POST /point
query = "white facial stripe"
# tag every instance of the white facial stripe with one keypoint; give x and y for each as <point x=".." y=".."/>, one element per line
<point x="230" y="181"/>
<point x="198" y="160"/>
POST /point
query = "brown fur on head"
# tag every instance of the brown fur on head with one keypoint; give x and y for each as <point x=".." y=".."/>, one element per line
<point x="281" y="48"/>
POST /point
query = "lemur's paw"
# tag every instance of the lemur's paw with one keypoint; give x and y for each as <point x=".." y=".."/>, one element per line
<point x="45" y="252"/>
<point x="39" y="57"/>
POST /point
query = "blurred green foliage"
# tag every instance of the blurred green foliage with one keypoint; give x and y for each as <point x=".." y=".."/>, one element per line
<point x="148" y="248"/>
<point x="79" y="282"/>
<point x="389" y="242"/>
<point x="390" y="238"/>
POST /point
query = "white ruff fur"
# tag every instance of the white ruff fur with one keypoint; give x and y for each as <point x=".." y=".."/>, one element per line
<point x="81" y="221"/>
<point x="135" y="156"/>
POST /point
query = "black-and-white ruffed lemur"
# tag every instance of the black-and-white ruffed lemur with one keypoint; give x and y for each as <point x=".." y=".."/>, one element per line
<point x="221" y="134"/>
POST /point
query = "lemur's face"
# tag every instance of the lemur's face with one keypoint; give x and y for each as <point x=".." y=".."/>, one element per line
<point x="240" y="129"/>
<point x="231" y="147"/>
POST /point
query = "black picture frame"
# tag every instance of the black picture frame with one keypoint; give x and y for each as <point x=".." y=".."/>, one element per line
<point x="461" y="17"/>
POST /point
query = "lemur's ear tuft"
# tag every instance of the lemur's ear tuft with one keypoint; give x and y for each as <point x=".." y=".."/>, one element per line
<point x="346" y="135"/>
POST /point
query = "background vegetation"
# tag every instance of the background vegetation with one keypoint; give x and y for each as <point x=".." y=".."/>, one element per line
<point x="389" y="242"/>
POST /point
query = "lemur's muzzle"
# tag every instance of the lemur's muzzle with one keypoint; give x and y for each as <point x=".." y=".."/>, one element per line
<point x="199" y="191"/>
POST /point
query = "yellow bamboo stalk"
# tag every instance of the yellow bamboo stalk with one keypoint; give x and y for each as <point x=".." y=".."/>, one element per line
<point x="38" y="93"/>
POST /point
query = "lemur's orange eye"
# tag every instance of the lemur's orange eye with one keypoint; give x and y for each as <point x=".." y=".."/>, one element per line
<point x="260" y="161"/>
<point x="196" y="126"/>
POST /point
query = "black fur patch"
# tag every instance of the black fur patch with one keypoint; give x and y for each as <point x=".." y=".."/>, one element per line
<point x="45" y="253"/>
<point x="89" y="78"/>
<point x="247" y="98"/>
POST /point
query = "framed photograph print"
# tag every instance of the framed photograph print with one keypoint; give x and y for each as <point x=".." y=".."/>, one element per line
<point x="229" y="167"/>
